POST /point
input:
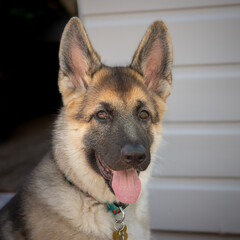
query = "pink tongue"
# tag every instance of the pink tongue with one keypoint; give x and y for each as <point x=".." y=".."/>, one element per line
<point x="126" y="185"/>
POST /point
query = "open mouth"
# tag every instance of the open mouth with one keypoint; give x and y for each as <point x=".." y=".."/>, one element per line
<point x="104" y="169"/>
<point x="125" y="183"/>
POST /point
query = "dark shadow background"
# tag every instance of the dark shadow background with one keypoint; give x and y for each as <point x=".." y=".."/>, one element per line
<point x="29" y="97"/>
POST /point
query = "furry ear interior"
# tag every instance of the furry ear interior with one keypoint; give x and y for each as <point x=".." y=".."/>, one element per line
<point x="78" y="60"/>
<point x="153" y="59"/>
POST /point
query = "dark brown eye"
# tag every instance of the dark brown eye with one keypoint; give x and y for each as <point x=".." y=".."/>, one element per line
<point x="144" y="115"/>
<point x="102" y="115"/>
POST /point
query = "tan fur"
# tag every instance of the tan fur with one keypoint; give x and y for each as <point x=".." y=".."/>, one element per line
<point x="50" y="207"/>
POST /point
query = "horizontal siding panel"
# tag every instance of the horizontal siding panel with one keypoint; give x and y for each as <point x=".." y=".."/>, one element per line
<point x="156" y="235"/>
<point x="205" y="94"/>
<point x="206" y="42"/>
<point x="108" y="6"/>
<point x="200" y="36"/>
<point x="210" y="150"/>
<point x="195" y="205"/>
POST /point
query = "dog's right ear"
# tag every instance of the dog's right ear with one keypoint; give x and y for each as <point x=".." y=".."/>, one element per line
<point x="78" y="60"/>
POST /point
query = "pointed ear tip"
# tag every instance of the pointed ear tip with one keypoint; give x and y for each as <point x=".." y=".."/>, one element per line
<point x="160" y="24"/>
<point x="74" y="21"/>
<point x="71" y="26"/>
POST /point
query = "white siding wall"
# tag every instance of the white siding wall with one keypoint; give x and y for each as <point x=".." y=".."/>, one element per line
<point x="196" y="183"/>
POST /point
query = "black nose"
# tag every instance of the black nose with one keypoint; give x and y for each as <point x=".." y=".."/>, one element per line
<point x="133" y="154"/>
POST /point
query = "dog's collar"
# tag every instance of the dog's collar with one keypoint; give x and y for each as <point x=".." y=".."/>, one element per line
<point x="112" y="207"/>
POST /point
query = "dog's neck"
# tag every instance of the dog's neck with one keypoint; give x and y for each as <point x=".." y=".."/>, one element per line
<point x="112" y="207"/>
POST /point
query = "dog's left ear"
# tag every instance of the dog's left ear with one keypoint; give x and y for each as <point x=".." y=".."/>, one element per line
<point x="153" y="59"/>
<point x="78" y="59"/>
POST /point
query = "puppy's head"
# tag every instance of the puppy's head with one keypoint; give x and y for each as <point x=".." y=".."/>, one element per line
<point x="112" y="115"/>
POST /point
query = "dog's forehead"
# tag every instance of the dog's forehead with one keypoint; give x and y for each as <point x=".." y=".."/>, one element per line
<point x="120" y="85"/>
<point x="121" y="101"/>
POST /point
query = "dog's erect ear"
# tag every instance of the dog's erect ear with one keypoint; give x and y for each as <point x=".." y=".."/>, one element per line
<point x="153" y="59"/>
<point x="78" y="60"/>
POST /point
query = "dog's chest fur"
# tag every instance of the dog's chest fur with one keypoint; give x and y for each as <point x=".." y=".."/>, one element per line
<point x="64" y="212"/>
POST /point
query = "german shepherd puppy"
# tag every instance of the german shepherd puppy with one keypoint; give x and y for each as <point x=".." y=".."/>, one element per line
<point x="104" y="137"/>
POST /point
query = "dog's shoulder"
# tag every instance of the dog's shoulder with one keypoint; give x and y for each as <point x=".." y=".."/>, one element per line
<point x="12" y="224"/>
<point x="60" y="208"/>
